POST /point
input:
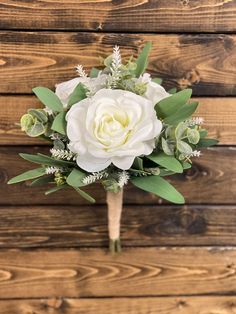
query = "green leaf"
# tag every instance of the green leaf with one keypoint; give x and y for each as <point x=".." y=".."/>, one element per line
<point x="186" y="165"/>
<point x="170" y="105"/>
<point x="172" y="91"/>
<point x="168" y="149"/>
<point x="42" y="180"/>
<point x="94" y="72"/>
<point x="78" y="94"/>
<point x="182" y="113"/>
<point x="193" y="136"/>
<point x="75" y="178"/>
<point x="85" y="195"/>
<point x="59" y="123"/>
<point x="48" y="98"/>
<point x="168" y="162"/>
<point x="46" y="160"/>
<point x="58" y="144"/>
<point x="39" y="114"/>
<point x="157" y="80"/>
<point x="28" y="175"/>
<point x="160" y="187"/>
<point x="36" y="130"/>
<point x="203" y="133"/>
<point x="180" y="130"/>
<point x="184" y="147"/>
<point x="207" y="142"/>
<point x="142" y="60"/>
<point x="138" y="163"/>
<point x="55" y="189"/>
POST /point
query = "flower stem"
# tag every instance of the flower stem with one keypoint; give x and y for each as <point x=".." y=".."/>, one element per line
<point x="115" y="204"/>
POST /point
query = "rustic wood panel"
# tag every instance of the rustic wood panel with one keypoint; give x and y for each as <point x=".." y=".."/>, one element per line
<point x="139" y="16"/>
<point x="207" y="63"/>
<point x="145" y="305"/>
<point x="219" y="115"/>
<point x="135" y="272"/>
<point x="84" y="226"/>
<point x="210" y="181"/>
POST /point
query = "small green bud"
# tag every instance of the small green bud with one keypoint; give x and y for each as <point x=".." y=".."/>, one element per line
<point x="111" y="185"/>
<point x="27" y="121"/>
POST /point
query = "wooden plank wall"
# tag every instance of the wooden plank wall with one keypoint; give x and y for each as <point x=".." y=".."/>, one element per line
<point x="176" y="259"/>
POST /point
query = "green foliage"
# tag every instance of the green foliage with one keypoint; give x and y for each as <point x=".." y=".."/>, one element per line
<point x="160" y="187"/>
<point x="184" y="147"/>
<point x="193" y="136"/>
<point x="157" y="80"/>
<point x="55" y="189"/>
<point x="138" y="163"/>
<point x="28" y="175"/>
<point x="59" y="123"/>
<point x="78" y="94"/>
<point x="94" y="72"/>
<point x="75" y="178"/>
<point x="168" y="162"/>
<point x="85" y="195"/>
<point x="169" y="106"/>
<point x="172" y="90"/>
<point x="142" y="60"/>
<point x="167" y="147"/>
<point x="46" y="160"/>
<point x="111" y="185"/>
<point x="32" y="126"/>
<point x="183" y="113"/>
<point x="207" y="142"/>
<point x="42" y="180"/>
<point x="48" y="98"/>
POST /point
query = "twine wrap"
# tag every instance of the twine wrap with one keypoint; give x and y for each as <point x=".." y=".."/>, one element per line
<point x="114" y="204"/>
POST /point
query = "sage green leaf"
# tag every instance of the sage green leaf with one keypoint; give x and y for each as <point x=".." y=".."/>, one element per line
<point x="180" y="130"/>
<point x="193" y="136"/>
<point x="138" y="163"/>
<point x="168" y="162"/>
<point x="39" y="114"/>
<point x="48" y="98"/>
<point x="182" y="113"/>
<point x="85" y="195"/>
<point x="142" y="60"/>
<point x="46" y="160"/>
<point x="75" y="178"/>
<point x="184" y="147"/>
<point x="59" y="123"/>
<point x="160" y="187"/>
<point x="172" y="91"/>
<point x="42" y="180"/>
<point x="27" y="121"/>
<point x="55" y="189"/>
<point x="157" y="80"/>
<point x="170" y="105"/>
<point x="206" y="142"/>
<point x="94" y="72"/>
<point x="78" y="94"/>
<point x="186" y="165"/>
<point x="203" y="133"/>
<point x="28" y="175"/>
<point x="58" y="144"/>
<point x="168" y="149"/>
<point x="36" y="130"/>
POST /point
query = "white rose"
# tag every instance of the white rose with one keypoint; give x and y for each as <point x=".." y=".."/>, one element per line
<point x="155" y="92"/>
<point x="65" y="89"/>
<point x="113" y="126"/>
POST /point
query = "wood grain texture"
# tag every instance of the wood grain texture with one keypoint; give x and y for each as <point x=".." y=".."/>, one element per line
<point x="207" y="63"/>
<point x="145" y="305"/>
<point x="219" y="115"/>
<point x="139" y="16"/>
<point x="210" y="181"/>
<point x="135" y="272"/>
<point x="141" y="225"/>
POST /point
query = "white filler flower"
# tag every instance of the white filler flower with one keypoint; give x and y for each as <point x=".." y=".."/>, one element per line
<point x="113" y="126"/>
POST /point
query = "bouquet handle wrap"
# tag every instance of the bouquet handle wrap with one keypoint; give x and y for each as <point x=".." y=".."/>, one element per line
<point x="114" y="204"/>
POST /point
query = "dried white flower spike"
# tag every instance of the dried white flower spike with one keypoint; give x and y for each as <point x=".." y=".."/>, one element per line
<point x="62" y="154"/>
<point x="80" y="71"/>
<point x="52" y="170"/>
<point x="95" y="176"/>
<point x="123" y="178"/>
<point x="195" y="121"/>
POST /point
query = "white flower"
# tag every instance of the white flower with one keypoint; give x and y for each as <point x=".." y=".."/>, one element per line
<point x="65" y="89"/>
<point x="113" y="126"/>
<point x="155" y="92"/>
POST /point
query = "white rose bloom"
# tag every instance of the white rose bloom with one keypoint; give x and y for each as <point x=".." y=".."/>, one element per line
<point x="155" y="92"/>
<point x="113" y="126"/>
<point x="64" y="90"/>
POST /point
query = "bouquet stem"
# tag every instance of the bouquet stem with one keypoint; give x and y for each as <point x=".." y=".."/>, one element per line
<point x="114" y="204"/>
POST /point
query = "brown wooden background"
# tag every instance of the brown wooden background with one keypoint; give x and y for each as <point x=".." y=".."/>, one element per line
<point x="176" y="259"/>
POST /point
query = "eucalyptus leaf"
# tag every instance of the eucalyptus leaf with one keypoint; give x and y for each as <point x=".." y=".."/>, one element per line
<point x="36" y="130"/>
<point x="168" y="162"/>
<point x="94" y="72"/>
<point x="75" y="178"/>
<point x="184" y="147"/>
<point x="59" y="123"/>
<point x="78" y="94"/>
<point x="193" y="136"/>
<point x="39" y="114"/>
<point x="48" y="98"/>
<point x="158" y="186"/>
<point x="203" y="133"/>
<point x="186" y="165"/>
<point x="167" y="148"/>
<point x="207" y="142"/>
<point x="170" y="105"/>
<point x="85" y="195"/>
<point x="142" y="60"/>
<point x="180" y="130"/>
<point x="28" y="175"/>
<point x="58" y="144"/>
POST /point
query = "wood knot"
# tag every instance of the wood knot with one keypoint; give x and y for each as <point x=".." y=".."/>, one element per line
<point x="54" y="303"/>
<point x="191" y="77"/>
<point x="185" y="2"/>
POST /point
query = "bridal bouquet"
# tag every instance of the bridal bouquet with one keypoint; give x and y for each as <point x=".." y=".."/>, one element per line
<point x="113" y="126"/>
